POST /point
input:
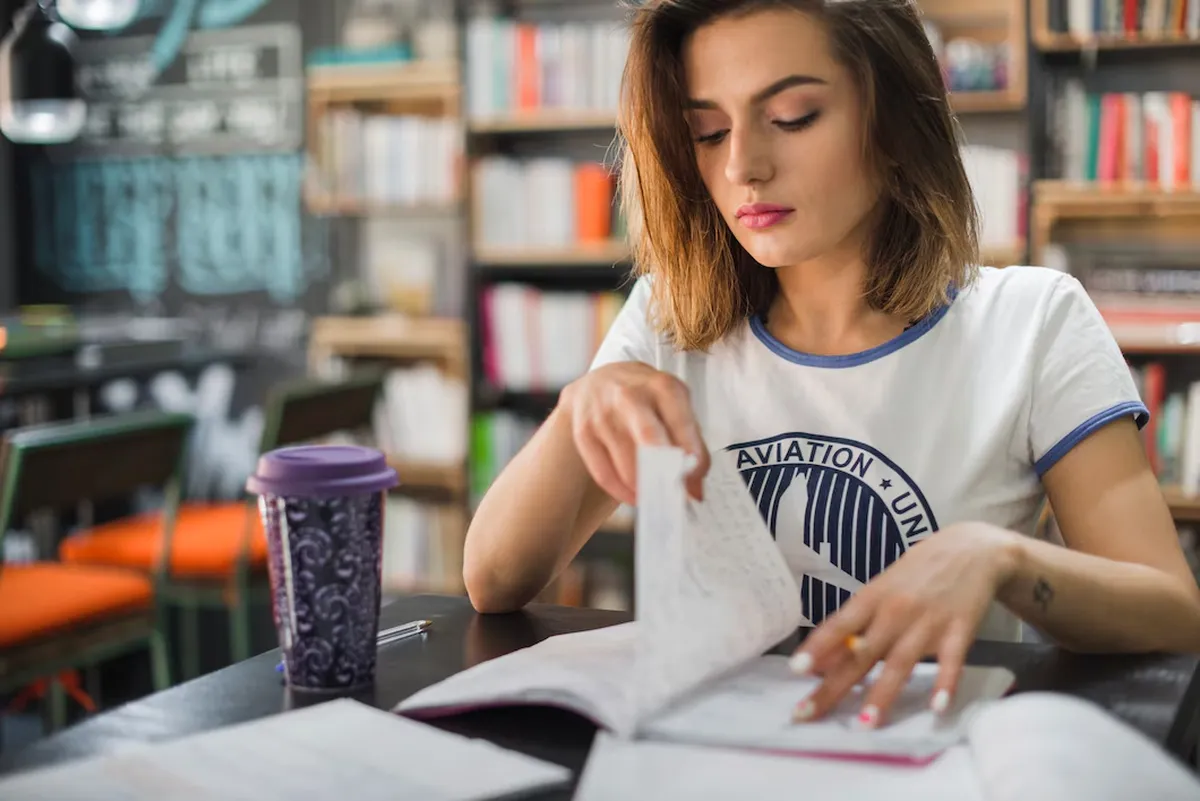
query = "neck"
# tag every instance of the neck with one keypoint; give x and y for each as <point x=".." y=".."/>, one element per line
<point x="822" y="309"/>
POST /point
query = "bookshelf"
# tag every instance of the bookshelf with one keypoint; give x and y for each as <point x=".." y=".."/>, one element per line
<point x="1116" y="196"/>
<point x="990" y="23"/>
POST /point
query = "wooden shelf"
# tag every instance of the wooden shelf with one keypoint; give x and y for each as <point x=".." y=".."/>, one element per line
<point x="607" y="253"/>
<point x="1056" y="202"/>
<point x="548" y="120"/>
<point x="334" y="206"/>
<point x="415" y="80"/>
<point x="1051" y="42"/>
<point x="438" y="339"/>
<point x="1183" y="508"/>
<point x="1000" y="101"/>
<point x="450" y="478"/>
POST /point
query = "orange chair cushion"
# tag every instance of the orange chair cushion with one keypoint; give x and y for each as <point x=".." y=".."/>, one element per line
<point x="45" y="598"/>
<point x="205" y="545"/>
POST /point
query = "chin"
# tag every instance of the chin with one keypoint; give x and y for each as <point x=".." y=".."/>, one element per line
<point x="774" y="258"/>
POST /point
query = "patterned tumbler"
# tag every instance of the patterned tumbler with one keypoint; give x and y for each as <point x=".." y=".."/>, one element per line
<point x="322" y="508"/>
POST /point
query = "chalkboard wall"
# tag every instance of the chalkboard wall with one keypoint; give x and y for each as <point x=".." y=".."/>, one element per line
<point x="183" y="200"/>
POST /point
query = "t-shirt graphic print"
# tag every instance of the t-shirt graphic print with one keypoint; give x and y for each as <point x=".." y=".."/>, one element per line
<point x="843" y="499"/>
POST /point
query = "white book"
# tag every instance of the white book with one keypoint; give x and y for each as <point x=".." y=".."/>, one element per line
<point x="325" y="751"/>
<point x="1079" y="18"/>
<point x="714" y="592"/>
<point x="1190" y="459"/>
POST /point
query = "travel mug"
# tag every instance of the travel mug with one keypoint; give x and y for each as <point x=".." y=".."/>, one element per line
<point x="322" y="509"/>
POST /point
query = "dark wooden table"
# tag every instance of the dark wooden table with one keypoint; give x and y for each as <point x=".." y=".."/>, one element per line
<point x="1160" y="695"/>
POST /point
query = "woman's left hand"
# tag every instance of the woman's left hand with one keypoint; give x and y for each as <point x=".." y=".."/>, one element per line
<point x="930" y="602"/>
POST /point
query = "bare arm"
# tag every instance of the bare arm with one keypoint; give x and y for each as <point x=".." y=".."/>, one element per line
<point x="1122" y="583"/>
<point x="539" y="512"/>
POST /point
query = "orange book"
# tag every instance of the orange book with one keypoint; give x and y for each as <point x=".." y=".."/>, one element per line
<point x="1181" y="137"/>
<point x="527" y="72"/>
<point x="593" y="203"/>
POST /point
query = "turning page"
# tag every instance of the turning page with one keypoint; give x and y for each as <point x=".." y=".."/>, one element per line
<point x="713" y="590"/>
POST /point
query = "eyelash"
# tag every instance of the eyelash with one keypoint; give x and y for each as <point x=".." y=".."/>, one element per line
<point x="791" y="126"/>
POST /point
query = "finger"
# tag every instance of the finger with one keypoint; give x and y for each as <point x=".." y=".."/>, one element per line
<point x="598" y="461"/>
<point x="897" y="668"/>
<point x="674" y="406"/>
<point x="881" y="635"/>
<point x="621" y="447"/>
<point x="952" y="654"/>
<point x="835" y="636"/>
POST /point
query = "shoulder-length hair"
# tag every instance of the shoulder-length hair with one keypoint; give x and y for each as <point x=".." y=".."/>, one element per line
<point x="925" y="241"/>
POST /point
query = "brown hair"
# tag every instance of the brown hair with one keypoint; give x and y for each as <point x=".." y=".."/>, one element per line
<point x="926" y="238"/>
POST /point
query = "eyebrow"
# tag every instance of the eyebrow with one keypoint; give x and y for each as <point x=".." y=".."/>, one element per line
<point x="764" y="94"/>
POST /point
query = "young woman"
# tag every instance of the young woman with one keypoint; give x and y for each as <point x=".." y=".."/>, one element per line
<point x="809" y="307"/>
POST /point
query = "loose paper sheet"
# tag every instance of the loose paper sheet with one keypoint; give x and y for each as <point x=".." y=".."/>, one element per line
<point x="339" y="749"/>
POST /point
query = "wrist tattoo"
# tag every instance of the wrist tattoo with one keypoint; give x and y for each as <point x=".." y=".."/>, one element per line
<point x="1043" y="594"/>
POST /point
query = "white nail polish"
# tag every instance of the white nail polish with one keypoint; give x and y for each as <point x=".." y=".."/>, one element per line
<point x="800" y="663"/>
<point x="941" y="701"/>
<point x="868" y="718"/>
<point x="803" y="711"/>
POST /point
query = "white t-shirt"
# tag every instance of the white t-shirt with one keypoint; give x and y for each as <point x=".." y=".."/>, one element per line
<point x="955" y="419"/>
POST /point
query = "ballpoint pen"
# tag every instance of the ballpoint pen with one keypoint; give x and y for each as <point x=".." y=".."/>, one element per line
<point x="389" y="636"/>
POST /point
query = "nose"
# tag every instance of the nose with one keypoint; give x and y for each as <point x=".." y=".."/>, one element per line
<point x="749" y="157"/>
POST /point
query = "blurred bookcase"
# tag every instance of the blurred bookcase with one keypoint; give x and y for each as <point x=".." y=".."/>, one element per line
<point x="1115" y="139"/>
<point x="386" y="166"/>
<point x="549" y="261"/>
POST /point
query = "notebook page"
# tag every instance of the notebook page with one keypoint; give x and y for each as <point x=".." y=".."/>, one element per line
<point x="319" y="752"/>
<point x="752" y="708"/>
<point x="588" y="672"/>
<point x="1051" y="747"/>
<point x="620" y="770"/>
<point x="713" y="589"/>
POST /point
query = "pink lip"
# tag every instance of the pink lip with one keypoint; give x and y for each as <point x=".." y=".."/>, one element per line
<point x="762" y="215"/>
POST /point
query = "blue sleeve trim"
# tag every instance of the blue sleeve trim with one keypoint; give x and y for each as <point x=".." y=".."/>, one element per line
<point x="1141" y="416"/>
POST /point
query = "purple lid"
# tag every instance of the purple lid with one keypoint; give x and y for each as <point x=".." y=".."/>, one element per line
<point x="323" y="470"/>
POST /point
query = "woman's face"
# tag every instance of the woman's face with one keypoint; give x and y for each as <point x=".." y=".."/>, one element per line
<point x="778" y="129"/>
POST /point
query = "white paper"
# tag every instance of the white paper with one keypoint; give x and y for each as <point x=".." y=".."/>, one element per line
<point x="620" y="770"/>
<point x="752" y="708"/>
<point x="589" y="672"/>
<point x="1051" y="747"/>
<point x="333" y="750"/>
<point x="713" y="590"/>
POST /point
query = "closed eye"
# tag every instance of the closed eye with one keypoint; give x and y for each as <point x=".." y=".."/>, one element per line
<point x="798" y="124"/>
<point x="712" y="138"/>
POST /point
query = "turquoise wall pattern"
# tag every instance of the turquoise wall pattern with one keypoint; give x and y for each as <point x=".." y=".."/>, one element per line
<point x="220" y="225"/>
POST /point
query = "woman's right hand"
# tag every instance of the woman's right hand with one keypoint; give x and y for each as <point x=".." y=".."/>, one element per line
<point x="615" y="408"/>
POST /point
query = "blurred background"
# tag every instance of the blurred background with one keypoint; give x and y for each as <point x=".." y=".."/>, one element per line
<point x="214" y="207"/>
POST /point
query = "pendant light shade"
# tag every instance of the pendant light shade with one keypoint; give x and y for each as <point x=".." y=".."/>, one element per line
<point x="44" y="106"/>
<point x="98" y="15"/>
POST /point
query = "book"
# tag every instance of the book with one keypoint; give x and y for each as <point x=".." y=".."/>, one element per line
<point x="1032" y="747"/>
<point x="714" y="593"/>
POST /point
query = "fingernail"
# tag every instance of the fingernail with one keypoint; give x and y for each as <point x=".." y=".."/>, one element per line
<point x="869" y="717"/>
<point x="803" y="711"/>
<point x="800" y="663"/>
<point x="941" y="701"/>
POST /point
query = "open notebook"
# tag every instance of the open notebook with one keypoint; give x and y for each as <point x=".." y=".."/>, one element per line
<point x="713" y="594"/>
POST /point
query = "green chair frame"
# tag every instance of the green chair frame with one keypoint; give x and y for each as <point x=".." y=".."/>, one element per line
<point x="54" y="466"/>
<point x="296" y="412"/>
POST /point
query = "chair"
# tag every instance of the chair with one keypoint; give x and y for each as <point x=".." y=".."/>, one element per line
<point x="56" y="617"/>
<point x="219" y="551"/>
